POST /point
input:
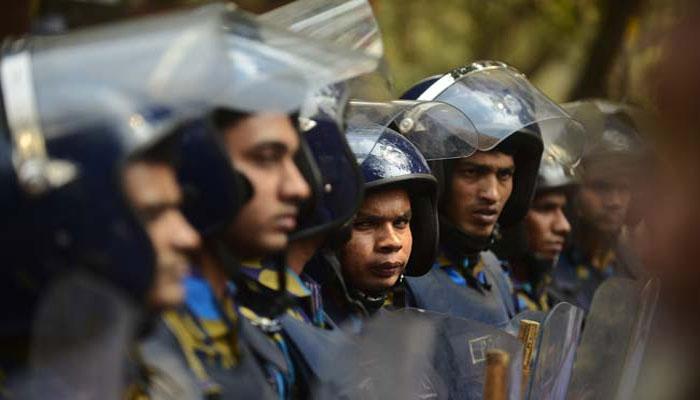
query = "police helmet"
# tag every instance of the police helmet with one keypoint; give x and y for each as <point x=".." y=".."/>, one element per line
<point x="388" y="159"/>
<point x="508" y="113"/>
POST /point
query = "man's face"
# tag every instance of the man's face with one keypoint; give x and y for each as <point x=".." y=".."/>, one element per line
<point x="155" y="196"/>
<point x="263" y="147"/>
<point x="481" y="186"/>
<point x="546" y="225"/>
<point x="381" y="241"/>
<point x="604" y="200"/>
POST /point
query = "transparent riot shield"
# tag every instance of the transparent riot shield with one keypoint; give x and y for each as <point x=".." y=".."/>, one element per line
<point x="211" y="56"/>
<point x="391" y="358"/>
<point x="613" y="340"/>
<point x="81" y="337"/>
<point x="500" y="101"/>
<point x="349" y="23"/>
<point x="439" y="130"/>
<point x="553" y="363"/>
<point x="513" y="326"/>
<point x="460" y="351"/>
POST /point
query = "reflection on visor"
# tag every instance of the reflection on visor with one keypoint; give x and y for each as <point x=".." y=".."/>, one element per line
<point x="345" y="22"/>
<point x="500" y="101"/>
<point x="362" y="141"/>
<point x="564" y="141"/>
<point x="438" y="130"/>
<point x="383" y="153"/>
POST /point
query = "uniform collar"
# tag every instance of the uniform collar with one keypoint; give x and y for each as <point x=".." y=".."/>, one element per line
<point x="265" y="273"/>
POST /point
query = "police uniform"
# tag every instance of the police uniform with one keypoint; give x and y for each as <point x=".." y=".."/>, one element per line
<point x="614" y="144"/>
<point x="531" y="294"/>
<point x="305" y="333"/>
<point x="475" y="287"/>
<point x="215" y="348"/>
<point x="576" y="278"/>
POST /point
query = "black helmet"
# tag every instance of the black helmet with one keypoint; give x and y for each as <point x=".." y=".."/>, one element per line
<point x="506" y="110"/>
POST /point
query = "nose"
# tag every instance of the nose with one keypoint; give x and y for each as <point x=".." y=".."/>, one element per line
<point x="293" y="187"/>
<point x="389" y="239"/>
<point x="616" y="196"/>
<point x="183" y="236"/>
<point x="488" y="189"/>
<point x="561" y="225"/>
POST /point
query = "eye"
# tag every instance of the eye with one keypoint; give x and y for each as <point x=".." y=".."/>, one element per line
<point x="402" y="223"/>
<point x="363" y="224"/>
<point x="504" y="175"/>
<point x="468" y="172"/>
<point x="268" y="157"/>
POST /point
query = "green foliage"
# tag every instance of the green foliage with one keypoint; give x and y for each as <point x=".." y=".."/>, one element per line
<point x="549" y="40"/>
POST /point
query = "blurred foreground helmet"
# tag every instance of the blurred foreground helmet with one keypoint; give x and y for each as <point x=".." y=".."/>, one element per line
<point x="506" y="110"/>
<point x="387" y="160"/>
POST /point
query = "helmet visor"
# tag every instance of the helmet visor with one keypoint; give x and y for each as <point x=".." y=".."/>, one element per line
<point x="498" y="100"/>
<point x="187" y="61"/>
<point x="439" y="130"/>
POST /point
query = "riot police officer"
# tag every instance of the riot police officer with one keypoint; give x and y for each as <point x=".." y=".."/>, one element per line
<point x="95" y="241"/>
<point x="393" y="234"/>
<point x="532" y="247"/>
<point x="603" y="207"/>
<point x="491" y="188"/>
<point x="225" y="303"/>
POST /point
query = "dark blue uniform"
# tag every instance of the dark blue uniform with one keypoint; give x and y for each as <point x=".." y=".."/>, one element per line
<point x="473" y="287"/>
<point x="217" y="349"/>
<point x="576" y="278"/>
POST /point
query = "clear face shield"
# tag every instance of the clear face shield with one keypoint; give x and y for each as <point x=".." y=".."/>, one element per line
<point x="187" y="62"/>
<point x="208" y="57"/>
<point x="349" y="23"/>
<point x="611" y="128"/>
<point x="438" y="130"/>
<point x="564" y="145"/>
<point x="499" y="101"/>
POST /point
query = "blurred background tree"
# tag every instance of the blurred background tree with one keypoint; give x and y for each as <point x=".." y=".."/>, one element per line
<point x="569" y="48"/>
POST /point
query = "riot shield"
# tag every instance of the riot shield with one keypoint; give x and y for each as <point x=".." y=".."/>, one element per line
<point x="391" y="358"/>
<point x="613" y="340"/>
<point x="80" y="340"/>
<point x="460" y="351"/>
<point x="439" y="130"/>
<point x="552" y="367"/>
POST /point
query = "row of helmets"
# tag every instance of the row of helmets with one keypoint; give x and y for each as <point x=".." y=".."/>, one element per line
<point x="142" y="81"/>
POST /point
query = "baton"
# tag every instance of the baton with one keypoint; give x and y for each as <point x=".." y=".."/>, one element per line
<point x="496" y="382"/>
<point x="529" y="330"/>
